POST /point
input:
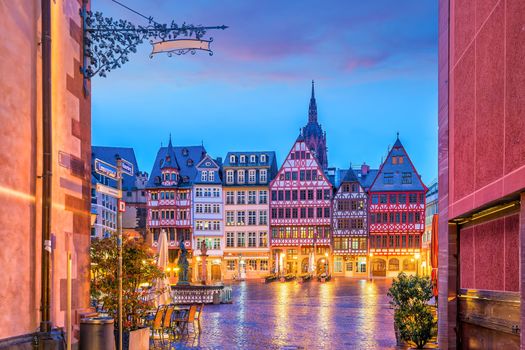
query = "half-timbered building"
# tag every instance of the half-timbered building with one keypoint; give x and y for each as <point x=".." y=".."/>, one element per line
<point x="169" y="198"/>
<point x="396" y="215"/>
<point x="350" y="227"/>
<point x="300" y="213"/>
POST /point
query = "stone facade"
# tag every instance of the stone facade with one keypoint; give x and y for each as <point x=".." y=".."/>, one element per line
<point x="20" y="187"/>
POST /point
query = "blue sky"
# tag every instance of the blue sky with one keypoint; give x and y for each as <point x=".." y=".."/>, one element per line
<point x="374" y="64"/>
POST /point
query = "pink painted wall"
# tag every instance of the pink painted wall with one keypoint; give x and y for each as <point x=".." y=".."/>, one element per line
<point x="487" y="118"/>
<point x="489" y="257"/>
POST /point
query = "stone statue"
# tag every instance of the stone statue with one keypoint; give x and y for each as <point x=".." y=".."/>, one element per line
<point x="183" y="265"/>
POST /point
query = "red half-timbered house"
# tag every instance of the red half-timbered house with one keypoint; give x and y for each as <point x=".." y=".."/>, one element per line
<point x="396" y="215"/>
<point x="300" y="209"/>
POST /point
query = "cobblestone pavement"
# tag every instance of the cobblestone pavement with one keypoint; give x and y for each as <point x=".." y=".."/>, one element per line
<point x="341" y="314"/>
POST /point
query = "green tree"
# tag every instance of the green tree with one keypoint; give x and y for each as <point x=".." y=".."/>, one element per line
<point x="412" y="314"/>
<point x="138" y="268"/>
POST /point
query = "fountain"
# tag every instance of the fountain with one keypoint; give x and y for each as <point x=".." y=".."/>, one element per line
<point x="186" y="293"/>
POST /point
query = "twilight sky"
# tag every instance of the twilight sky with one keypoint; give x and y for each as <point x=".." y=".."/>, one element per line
<point x="374" y="64"/>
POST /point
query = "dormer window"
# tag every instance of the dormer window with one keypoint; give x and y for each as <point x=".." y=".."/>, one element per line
<point x="242" y="159"/>
<point x="185" y="152"/>
<point x="189" y="162"/>
<point x="211" y="175"/>
<point x="168" y="158"/>
<point x="252" y="158"/>
<point x="263" y="158"/>
<point x="232" y="159"/>
<point x="204" y="176"/>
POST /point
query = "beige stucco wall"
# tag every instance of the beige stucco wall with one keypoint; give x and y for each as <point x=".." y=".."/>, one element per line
<point x="20" y="162"/>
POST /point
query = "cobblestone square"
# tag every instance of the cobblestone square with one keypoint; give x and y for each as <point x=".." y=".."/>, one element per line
<point x="341" y="314"/>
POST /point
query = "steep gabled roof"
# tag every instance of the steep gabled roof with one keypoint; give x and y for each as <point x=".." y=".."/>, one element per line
<point x="107" y="154"/>
<point x="207" y="164"/>
<point x="185" y="156"/>
<point x="394" y="171"/>
<point x="350" y="176"/>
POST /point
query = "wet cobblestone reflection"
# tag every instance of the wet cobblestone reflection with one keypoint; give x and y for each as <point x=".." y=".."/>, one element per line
<point x="341" y="314"/>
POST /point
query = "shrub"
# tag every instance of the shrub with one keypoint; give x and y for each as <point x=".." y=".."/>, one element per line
<point x="412" y="314"/>
<point x="138" y="267"/>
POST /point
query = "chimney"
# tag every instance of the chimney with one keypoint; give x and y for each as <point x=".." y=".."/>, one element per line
<point x="365" y="169"/>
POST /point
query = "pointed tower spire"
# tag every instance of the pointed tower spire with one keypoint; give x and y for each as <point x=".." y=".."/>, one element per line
<point x="169" y="143"/>
<point x="312" y="110"/>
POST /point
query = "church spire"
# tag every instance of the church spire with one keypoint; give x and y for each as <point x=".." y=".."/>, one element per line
<point x="312" y="110"/>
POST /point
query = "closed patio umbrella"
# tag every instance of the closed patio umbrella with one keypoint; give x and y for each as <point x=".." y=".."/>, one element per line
<point x="434" y="253"/>
<point x="162" y="262"/>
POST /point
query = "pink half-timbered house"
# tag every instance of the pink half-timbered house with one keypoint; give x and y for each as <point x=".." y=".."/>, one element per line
<point x="300" y="209"/>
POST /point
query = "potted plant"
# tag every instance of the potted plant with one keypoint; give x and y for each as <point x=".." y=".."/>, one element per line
<point x="413" y="318"/>
<point x="138" y="270"/>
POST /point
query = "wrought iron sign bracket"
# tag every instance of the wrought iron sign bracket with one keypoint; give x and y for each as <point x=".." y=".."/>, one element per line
<point x="108" y="42"/>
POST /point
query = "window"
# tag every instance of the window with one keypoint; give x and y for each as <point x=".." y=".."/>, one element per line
<point x="230" y="218"/>
<point x="338" y="264"/>
<point x="280" y="194"/>
<point x="327" y="212"/>
<point x="400" y="160"/>
<point x="394" y="160"/>
<point x="252" y="197"/>
<point x="251" y="176"/>
<point x="301" y="175"/>
<point x="263" y="197"/>
<point x="393" y="265"/>
<point x="229" y="176"/>
<point x="412" y="198"/>
<point x="310" y="194"/>
<point x="230" y="239"/>
<point x="263" y="175"/>
<point x="263" y="239"/>
<point x="382" y="199"/>
<point x="263" y="217"/>
<point x="263" y="265"/>
<point x="287" y="195"/>
<point x="240" y="176"/>
<point x="375" y="199"/>
<point x="252" y="264"/>
<point x="402" y="199"/>
<point x="232" y="159"/>
<point x="216" y="209"/>
<point x="274" y="195"/>
<point x="211" y="175"/>
<point x="242" y="159"/>
<point x="252" y="217"/>
<point x="393" y="199"/>
<point x="388" y="178"/>
<point x="319" y="194"/>
<point x="229" y="197"/>
<point x="241" y="217"/>
<point x="216" y="243"/>
<point x="263" y="158"/>
<point x="240" y="239"/>
<point x="252" y="240"/>
<point x="241" y="197"/>
<point x="216" y="193"/>
<point x="302" y="195"/>
<point x="204" y="176"/>
<point x="252" y="158"/>
<point x="230" y="265"/>
<point x="406" y="178"/>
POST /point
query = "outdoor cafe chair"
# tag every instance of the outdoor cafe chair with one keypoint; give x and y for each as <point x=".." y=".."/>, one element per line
<point x="187" y="319"/>
<point x="156" y="326"/>
<point x="167" y="324"/>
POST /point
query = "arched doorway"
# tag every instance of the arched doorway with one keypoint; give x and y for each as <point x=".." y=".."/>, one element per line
<point x="379" y="267"/>
<point x="322" y="266"/>
<point x="304" y="265"/>
<point x="215" y="272"/>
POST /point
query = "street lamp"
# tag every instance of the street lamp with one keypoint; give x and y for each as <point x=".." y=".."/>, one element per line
<point x="369" y="266"/>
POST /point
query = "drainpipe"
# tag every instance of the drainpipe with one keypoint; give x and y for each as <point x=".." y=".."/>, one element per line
<point x="45" y="322"/>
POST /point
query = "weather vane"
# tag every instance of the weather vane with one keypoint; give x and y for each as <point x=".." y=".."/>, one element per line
<point x="108" y="42"/>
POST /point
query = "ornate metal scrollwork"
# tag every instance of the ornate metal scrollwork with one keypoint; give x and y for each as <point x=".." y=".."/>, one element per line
<point x="108" y="42"/>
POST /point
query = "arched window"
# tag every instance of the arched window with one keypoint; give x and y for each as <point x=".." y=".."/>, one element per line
<point x="409" y="264"/>
<point x="393" y="265"/>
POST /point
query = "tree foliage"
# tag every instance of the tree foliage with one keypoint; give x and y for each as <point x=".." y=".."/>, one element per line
<point x="412" y="314"/>
<point x="138" y="267"/>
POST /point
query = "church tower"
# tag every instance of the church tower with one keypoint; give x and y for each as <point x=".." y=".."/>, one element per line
<point x="314" y="135"/>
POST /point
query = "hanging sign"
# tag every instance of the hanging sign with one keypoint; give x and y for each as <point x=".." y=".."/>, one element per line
<point x="180" y="46"/>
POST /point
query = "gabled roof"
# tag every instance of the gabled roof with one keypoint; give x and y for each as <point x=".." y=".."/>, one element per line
<point x="207" y="164"/>
<point x="396" y="171"/>
<point x="107" y="154"/>
<point x="350" y="176"/>
<point x="187" y="157"/>
<point x="365" y="180"/>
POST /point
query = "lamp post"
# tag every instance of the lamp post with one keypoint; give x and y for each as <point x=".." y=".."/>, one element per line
<point x="369" y="266"/>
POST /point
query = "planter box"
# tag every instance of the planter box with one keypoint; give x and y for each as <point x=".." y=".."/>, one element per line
<point x="139" y="339"/>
